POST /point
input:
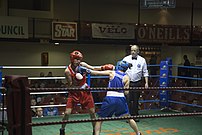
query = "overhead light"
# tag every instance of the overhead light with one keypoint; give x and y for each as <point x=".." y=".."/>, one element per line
<point x="158" y="4"/>
<point x="56" y="43"/>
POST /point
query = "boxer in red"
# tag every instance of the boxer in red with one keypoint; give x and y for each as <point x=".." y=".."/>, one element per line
<point x="77" y="80"/>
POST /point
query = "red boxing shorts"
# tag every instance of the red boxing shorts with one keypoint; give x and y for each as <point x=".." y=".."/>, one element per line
<point x="85" y="98"/>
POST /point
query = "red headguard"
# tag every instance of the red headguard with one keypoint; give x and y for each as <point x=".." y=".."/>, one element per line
<point x="76" y="55"/>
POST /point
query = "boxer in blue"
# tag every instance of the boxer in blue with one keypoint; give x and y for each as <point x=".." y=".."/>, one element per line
<point x="115" y="102"/>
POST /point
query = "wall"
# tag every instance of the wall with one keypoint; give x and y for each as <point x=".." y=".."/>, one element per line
<point x="29" y="54"/>
<point x="127" y="11"/>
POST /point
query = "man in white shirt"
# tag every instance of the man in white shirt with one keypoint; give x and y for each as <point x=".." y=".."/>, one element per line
<point x="136" y="72"/>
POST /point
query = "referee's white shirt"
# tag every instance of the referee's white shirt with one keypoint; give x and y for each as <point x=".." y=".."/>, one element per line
<point x="139" y="68"/>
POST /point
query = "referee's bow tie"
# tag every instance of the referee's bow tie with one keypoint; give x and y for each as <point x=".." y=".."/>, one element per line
<point x="134" y="58"/>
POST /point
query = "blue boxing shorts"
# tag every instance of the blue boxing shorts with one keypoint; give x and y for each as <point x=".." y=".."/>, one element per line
<point x="113" y="106"/>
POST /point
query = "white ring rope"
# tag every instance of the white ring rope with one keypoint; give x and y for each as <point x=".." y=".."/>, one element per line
<point x="58" y="105"/>
<point x="58" y="77"/>
<point x="43" y="106"/>
<point x="42" y="93"/>
<point x="45" y="78"/>
<point x="36" y="67"/>
<point x="32" y="67"/>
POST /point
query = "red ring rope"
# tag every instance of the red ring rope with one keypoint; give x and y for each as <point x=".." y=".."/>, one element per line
<point x="107" y="89"/>
<point x="114" y="118"/>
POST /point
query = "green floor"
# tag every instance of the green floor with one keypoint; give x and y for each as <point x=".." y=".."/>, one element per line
<point x="191" y="125"/>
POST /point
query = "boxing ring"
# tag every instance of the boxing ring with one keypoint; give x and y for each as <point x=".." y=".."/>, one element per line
<point x="23" y="125"/>
<point x="152" y="121"/>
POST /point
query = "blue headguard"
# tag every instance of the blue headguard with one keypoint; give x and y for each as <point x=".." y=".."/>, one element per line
<point x="123" y="65"/>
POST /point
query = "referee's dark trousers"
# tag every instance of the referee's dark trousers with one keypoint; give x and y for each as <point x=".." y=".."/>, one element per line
<point x="133" y="98"/>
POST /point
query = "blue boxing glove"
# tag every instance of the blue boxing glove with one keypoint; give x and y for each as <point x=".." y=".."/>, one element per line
<point x="82" y="70"/>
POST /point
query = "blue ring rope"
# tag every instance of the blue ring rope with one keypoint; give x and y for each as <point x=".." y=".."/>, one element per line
<point x="176" y="102"/>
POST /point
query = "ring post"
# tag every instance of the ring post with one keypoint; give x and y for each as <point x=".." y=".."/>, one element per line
<point x="165" y="71"/>
<point x="88" y="79"/>
<point x="0" y="77"/>
<point x="18" y="105"/>
<point x="0" y="84"/>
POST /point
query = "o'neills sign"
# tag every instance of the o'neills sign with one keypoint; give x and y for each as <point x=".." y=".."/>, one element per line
<point x="13" y="27"/>
<point x="113" y="31"/>
<point x="163" y="34"/>
<point x="64" y="31"/>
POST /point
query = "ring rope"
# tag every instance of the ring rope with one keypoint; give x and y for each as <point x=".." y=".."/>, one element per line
<point x="177" y="102"/>
<point x="108" y="89"/>
<point x="46" y="78"/>
<point x="193" y="67"/>
<point x="191" y="92"/>
<point x="59" y="105"/>
<point x="58" y="78"/>
<point x="113" y="118"/>
<point x="31" y="67"/>
<point x="183" y="77"/>
<point x="42" y="106"/>
<point x="60" y="92"/>
<point x="141" y="101"/>
<point x="42" y="93"/>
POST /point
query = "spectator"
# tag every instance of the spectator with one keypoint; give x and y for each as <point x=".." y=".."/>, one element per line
<point x="39" y="112"/>
<point x="51" y="111"/>
<point x="42" y="74"/>
<point x="50" y="81"/>
<point x="152" y="61"/>
<point x="33" y="110"/>
<point x="42" y="82"/>
<point x="50" y="74"/>
<point x="187" y="70"/>
<point x="59" y="84"/>
<point x="39" y="100"/>
<point x="186" y="61"/>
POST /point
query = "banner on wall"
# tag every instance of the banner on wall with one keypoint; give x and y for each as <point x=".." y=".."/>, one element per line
<point x="13" y="27"/>
<point x="113" y="31"/>
<point x="163" y="34"/>
<point x="64" y="31"/>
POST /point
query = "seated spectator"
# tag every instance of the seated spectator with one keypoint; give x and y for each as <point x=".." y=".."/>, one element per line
<point x="153" y="61"/>
<point x="51" y="111"/>
<point x="187" y="72"/>
<point x="42" y="74"/>
<point x="50" y="82"/>
<point x="59" y="84"/>
<point x="39" y="112"/>
<point x="33" y="110"/>
<point x="42" y="82"/>
<point x="39" y="99"/>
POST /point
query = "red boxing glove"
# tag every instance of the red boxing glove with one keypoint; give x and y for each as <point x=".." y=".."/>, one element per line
<point x="107" y="67"/>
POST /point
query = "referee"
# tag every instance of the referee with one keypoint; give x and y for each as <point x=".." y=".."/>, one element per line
<point x="136" y="72"/>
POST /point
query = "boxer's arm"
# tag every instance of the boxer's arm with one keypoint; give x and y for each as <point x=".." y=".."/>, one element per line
<point x="98" y="68"/>
<point x="126" y="81"/>
<point x="84" y="70"/>
<point x="68" y="78"/>
<point x="84" y="64"/>
<point x="107" y="67"/>
<point x="107" y="72"/>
